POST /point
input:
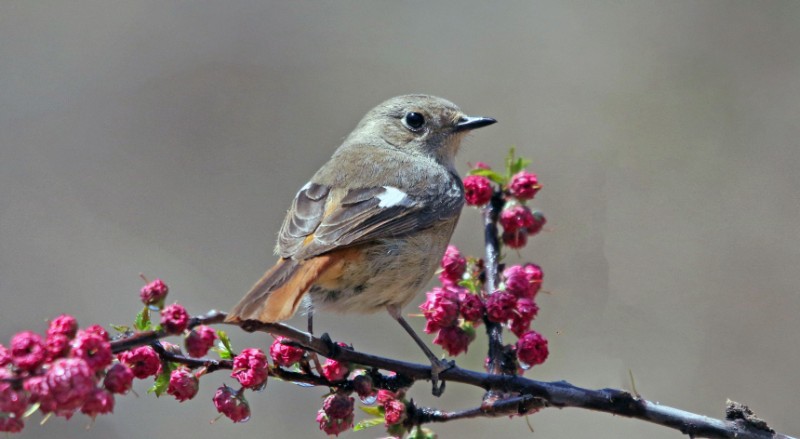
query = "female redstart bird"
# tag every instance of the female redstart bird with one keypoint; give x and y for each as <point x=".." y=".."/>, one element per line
<point x="368" y="230"/>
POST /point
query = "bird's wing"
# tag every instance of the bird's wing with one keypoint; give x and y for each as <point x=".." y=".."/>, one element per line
<point x="324" y="218"/>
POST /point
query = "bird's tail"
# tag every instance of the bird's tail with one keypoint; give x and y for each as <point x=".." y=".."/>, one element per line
<point x="276" y="296"/>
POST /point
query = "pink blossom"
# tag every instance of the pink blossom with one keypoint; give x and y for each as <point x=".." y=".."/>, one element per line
<point x="532" y="348"/>
<point x="453" y="266"/>
<point x="500" y="306"/>
<point x="65" y="325"/>
<point x="482" y="165"/>
<point x="285" y="355"/>
<point x="119" y="379"/>
<point x="154" y="292"/>
<point x="183" y="384"/>
<point x="538" y="223"/>
<point x="174" y="318"/>
<point x="232" y="404"/>
<point x="385" y="396"/>
<point x="11" y="400"/>
<point x="28" y="350"/>
<point x="394" y="412"/>
<point x="515" y="239"/>
<point x="516" y="218"/>
<point x="99" y="402"/>
<point x="336" y="415"/>
<point x="335" y="370"/>
<point x="57" y="346"/>
<point x="524" y="185"/>
<point x="440" y="309"/>
<point x="200" y="340"/>
<point x="523" y="281"/>
<point x="477" y="190"/>
<point x="525" y="310"/>
<point x="471" y="307"/>
<point x="250" y="368"/>
<point x="11" y="425"/>
<point x="363" y="386"/>
<point x="454" y="340"/>
<point x="66" y="386"/>
<point x="92" y="348"/>
<point x="143" y="361"/>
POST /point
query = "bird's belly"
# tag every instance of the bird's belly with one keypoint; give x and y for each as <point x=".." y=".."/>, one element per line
<point x="387" y="272"/>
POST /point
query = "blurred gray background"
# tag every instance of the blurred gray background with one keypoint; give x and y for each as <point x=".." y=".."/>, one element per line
<point x="169" y="137"/>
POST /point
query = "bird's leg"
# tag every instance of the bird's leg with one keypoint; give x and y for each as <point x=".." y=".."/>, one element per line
<point x="437" y="365"/>
<point x="313" y="355"/>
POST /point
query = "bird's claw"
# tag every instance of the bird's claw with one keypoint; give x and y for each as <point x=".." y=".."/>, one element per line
<point x="438" y="367"/>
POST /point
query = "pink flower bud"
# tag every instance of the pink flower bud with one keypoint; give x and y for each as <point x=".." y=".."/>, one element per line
<point x="394" y="412"/>
<point x="471" y="307"/>
<point x="524" y="185"/>
<point x="481" y="165"/>
<point x="285" y="355"/>
<point x="523" y="281"/>
<point x="99" y="402"/>
<point x="363" y="386"/>
<point x="232" y="404"/>
<point x="200" y="340"/>
<point x="500" y="306"/>
<point x="334" y="370"/>
<point x="99" y="330"/>
<point x="454" y="340"/>
<point x="57" y="346"/>
<point x="183" y="384"/>
<point x="526" y="309"/>
<point x="5" y="356"/>
<point x="66" y="386"/>
<point x="174" y="318"/>
<point x="384" y="396"/>
<point x="118" y="379"/>
<point x="65" y="325"/>
<point x="538" y="223"/>
<point x="250" y="368"/>
<point x="28" y="350"/>
<point x="515" y="218"/>
<point x="515" y="239"/>
<point x="453" y="266"/>
<point x="94" y="349"/>
<point x="154" y="292"/>
<point x="336" y="415"/>
<point x="143" y="361"/>
<point x="440" y="309"/>
<point x="477" y="190"/>
<point x="532" y="348"/>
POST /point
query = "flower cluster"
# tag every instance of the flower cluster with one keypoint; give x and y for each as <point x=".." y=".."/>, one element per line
<point x="336" y="415"/>
<point x="64" y="372"/>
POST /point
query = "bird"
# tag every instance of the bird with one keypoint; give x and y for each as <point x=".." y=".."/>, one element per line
<point x="369" y="229"/>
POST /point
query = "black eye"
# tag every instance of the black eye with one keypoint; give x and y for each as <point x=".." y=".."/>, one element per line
<point x="414" y="120"/>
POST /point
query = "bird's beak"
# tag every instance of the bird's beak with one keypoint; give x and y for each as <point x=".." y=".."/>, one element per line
<point x="466" y="123"/>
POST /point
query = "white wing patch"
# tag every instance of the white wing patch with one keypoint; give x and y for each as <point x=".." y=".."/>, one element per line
<point x="393" y="197"/>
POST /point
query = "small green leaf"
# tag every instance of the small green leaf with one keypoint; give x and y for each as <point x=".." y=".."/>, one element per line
<point x="518" y="165"/>
<point x="142" y="322"/>
<point x="121" y="328"/>
<point x="372" y="410"/>
<point x="488" y="173"/>
<point x="367" y="423"/>
<point x="31" y="410"/>
<point x="224" y="348"/>
<point x="470" y="284"/>
<point x="162" y="380"/>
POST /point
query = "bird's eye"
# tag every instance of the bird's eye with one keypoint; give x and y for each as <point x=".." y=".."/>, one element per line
<point x="414" y="120"/>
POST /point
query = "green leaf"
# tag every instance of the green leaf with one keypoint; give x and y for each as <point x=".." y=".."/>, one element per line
<point x="162" y="380"/>
<point x="518" y="165"/>
<point x="510" y="161"/>
<point x="367" y="423"/>
<point x="370" y="410"/>
<point x="32" y="409"/>
<point x="491" y="175"/>
<point x="121" y="328"/>
<point x="224" y="348"/>
<point x="470" y="284"/>
<point x="142" y="322"/>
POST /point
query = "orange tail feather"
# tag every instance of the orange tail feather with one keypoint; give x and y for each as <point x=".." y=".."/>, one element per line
<point x="276" y="296"/>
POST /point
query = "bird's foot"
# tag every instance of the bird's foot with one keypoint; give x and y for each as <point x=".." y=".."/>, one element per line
<point x="437" y="367"/>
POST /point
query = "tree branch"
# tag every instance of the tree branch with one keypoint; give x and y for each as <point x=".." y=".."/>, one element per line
<point x="559" y="394"/>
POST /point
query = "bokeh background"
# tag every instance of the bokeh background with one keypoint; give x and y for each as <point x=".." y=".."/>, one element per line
<point x="168" y="138"/>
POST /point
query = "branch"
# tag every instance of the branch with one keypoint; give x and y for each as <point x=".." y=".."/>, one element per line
<point x="559" y="394"/>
